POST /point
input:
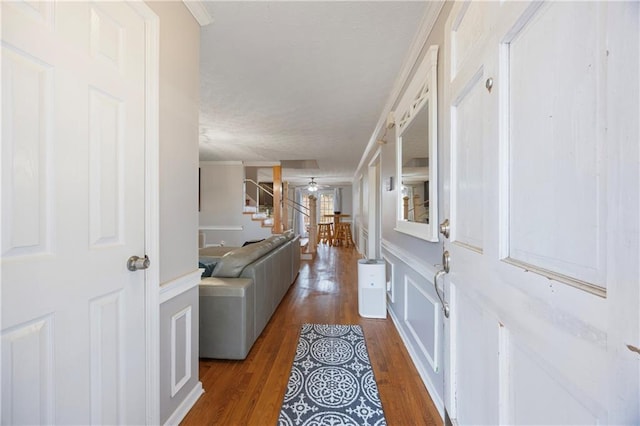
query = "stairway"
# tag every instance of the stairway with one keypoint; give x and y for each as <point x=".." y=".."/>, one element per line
<point x="305" y="254"/>
<point x="265" y="220"/>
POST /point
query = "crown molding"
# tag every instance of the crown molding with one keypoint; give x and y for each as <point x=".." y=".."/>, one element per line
<point x="261" y="163"/>
<point x="197" y="9"/>
<point x="220" y="163"/>
<point x="411" y="60"/>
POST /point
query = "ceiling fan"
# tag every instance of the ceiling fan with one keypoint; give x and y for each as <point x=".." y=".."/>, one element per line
<point x="312" y="186"/>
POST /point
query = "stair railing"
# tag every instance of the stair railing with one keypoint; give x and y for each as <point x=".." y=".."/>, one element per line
<point x="259" y="187"/>
<point x="301" y="208"/>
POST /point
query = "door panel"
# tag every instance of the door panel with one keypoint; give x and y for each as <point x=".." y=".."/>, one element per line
<point x="73" y="94"/>
<point x="560" y="401"/>
<point x="467" y="183"/>
<point x="558" y="187"/>
<point x="27" y="352"/>
<point x="27" y="102"/>
<point x="544" y="306"/>
<point x="477" y="337"/>
<point x="468" y="33"/>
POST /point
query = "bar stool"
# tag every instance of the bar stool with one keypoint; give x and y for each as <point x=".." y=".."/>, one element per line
<point x="343" y="234"/>
<point x="325" y="234"/>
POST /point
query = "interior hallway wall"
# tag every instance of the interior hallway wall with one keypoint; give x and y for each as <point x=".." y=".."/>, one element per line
<point x="179" y="135"/>
<point x="179" y="86"/>
<point x="410" y="260"/>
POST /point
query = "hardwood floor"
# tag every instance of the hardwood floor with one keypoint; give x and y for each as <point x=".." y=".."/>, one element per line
<point x="250" y="392"/>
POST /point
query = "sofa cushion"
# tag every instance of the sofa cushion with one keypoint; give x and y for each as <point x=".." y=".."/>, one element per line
<point x="231" y="264"/>
<point x="207" y="263"/>
<point x="215" y="251"/>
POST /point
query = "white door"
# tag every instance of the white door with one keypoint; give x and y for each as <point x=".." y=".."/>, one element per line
<point x="73" y="99"/>
<point x="542" y="199"/>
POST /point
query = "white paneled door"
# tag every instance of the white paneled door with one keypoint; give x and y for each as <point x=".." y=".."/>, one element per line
<point x="542" y="199"/>
<point x="73" y="212"/>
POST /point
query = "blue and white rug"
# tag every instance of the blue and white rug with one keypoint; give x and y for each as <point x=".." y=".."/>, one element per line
<point x="331" y="380"/>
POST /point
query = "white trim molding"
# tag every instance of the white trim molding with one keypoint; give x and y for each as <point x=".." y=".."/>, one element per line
<point x="221" y="228"/>
<point x="152" y="209"/>
<point x="199" y="11"/>
<point x="431" y="388"/>
<point x="180" y="285"/>
<point x="178" y="382"/>
<point x="179" y="414"/>
<point x="410" y="260"/>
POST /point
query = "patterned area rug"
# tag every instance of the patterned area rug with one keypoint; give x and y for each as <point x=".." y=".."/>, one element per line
<point x="331" y="380"/>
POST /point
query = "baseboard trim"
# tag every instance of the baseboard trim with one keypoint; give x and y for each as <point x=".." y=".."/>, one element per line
<point x="185" y="406"/>
<point x="419" y="366"/>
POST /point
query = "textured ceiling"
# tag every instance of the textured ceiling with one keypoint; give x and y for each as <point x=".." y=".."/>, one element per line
<point x="300" y="80"/>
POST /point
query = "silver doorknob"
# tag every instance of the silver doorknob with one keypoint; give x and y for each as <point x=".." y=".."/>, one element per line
<point x="136" y="263"/>
<point x="444" y="228"/>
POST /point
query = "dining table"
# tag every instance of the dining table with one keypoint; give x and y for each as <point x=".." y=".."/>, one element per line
<point x="336" y="240"/>
<point x="336" y="217"/>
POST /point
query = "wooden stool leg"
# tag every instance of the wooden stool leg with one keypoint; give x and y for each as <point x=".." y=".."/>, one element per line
<point x="348" y="240"/>
<point x="325" y="235"/>
<point x="332" y="234"/>
<point x="340" y="234"/>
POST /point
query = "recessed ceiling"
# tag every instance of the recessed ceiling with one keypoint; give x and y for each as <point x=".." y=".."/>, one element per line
<point x="300" y="80"/>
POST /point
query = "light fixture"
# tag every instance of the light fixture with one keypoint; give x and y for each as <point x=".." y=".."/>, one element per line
<point x="313" y="186"/>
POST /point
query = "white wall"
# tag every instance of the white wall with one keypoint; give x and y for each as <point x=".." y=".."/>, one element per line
<point x="221" y="197"/>
<point x="410" y="259"/>
<point x="179" y="131"/>
<point x="221" y="205"/>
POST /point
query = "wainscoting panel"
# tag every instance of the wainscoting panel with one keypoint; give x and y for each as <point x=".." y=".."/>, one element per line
<point x="422" y="317"/>
<point x="27" y="373"/>
<point x="180" y="349"/>
<point x="27" y="93"/>
<point x="107" y="372"/>
<point x="416" y="313"/>
<point x="389" y="278"/>
<point x="364" y="242"/>
<point x="179" y="385"/>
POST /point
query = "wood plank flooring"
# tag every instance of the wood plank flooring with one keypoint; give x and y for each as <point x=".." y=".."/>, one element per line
<point x="250" y="392"/>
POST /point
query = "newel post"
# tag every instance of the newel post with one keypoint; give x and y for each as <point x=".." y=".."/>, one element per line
<point x="277" y="200"/>
<point x="285" y="206"/>
<point x="313" y="225"/>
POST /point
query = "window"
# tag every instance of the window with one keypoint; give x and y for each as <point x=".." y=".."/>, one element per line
<point x="324" y="205"/>
<point x="305" y="203"/>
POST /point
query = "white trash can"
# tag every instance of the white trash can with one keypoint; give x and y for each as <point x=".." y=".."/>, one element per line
<point x="372" y="297"/>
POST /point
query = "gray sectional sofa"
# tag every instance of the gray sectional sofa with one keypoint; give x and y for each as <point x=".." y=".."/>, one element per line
<point x="245" y="288"/>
